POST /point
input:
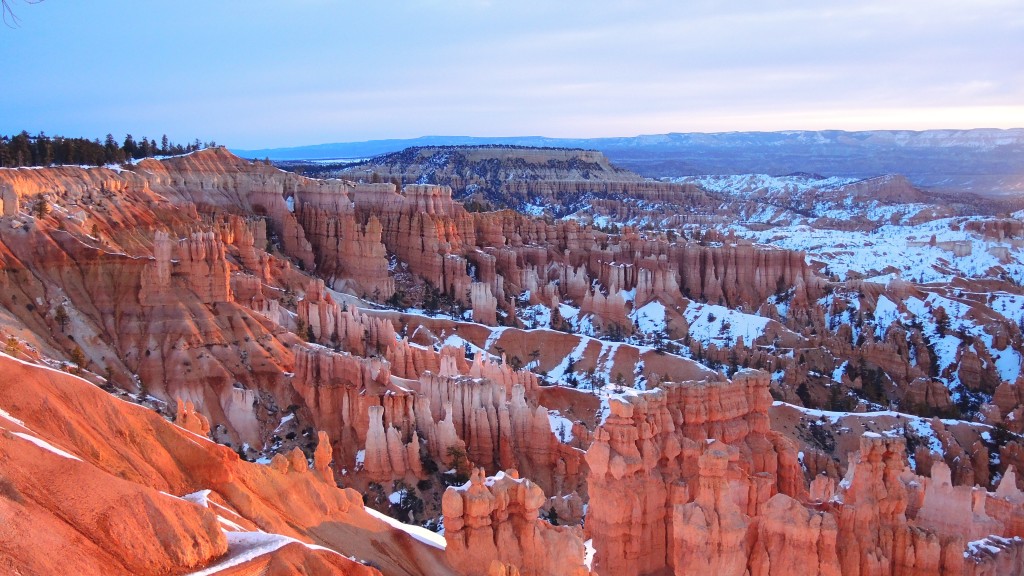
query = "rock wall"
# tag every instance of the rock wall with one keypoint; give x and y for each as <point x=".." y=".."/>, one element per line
<point x="497" y="518"/>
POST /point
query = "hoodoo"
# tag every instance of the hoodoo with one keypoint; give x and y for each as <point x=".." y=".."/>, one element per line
<point x="261" y="372"/>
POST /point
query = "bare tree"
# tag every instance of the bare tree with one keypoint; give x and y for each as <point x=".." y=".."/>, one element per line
<point x="10" y="18"/>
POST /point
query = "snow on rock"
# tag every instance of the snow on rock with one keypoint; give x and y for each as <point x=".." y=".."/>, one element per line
<point x="1008" y="360"/>
<point x="46" y="445"/>
<point x="201" y="498"/>
<point x="989" y="546"/>
<point x="923" y="429"/>
<point x="747" y="184"/>
<point x="419" y="533"/>
<point x="904" y="249"/>
<point x="885" y="313"/>
<point x="560" y="426"/>
<point x="1010" y="306"/>
<point x="650" y="317"/>
<point x="7" y="416"/>
<point x="837" y="374"/>
<point x="493" y="337"/>
<point x="710" y="323"/>
<point x="559" y="372"/>
<point x="246" y="546"/>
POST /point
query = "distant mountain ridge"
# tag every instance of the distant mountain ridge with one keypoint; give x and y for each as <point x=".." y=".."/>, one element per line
<point x="978" y="138"/>
<point x="984" y="161"/>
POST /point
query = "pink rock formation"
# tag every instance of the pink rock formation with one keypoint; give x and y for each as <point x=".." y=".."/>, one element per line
<point x="497" y="518"/>
<point x="484" y="305"/>
<point x="190" y="420"/>
<point x="647" y="454"/>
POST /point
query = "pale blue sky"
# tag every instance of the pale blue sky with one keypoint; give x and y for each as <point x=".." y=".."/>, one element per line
<point x="261" y="73"/>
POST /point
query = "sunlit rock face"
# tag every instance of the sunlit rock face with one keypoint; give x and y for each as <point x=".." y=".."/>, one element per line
<point x="564" y="395"/>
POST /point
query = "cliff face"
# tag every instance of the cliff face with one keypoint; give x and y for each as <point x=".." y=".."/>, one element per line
<point x="88" y="473"/>
<point x="497" y="520"/>
<point x="234" y="297"/>
<point x="558" y="182"/>
<point x="654" y="452"/>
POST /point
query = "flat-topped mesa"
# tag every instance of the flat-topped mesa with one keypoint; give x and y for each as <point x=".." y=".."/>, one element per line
<point x="498" y="518"/>
<point x="199" y="261"/>
<point x="558" y="180"/>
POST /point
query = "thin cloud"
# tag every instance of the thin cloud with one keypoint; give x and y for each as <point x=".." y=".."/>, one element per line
<point x="260" y="73"/>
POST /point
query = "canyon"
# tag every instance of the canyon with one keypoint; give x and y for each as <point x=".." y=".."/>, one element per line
<point x="250" y="371"/>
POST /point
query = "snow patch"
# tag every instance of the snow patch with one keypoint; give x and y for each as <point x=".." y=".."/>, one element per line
<point x="46" y="445"/>
<point x="419" y="533"/>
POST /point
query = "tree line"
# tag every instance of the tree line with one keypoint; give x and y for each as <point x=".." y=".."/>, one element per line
<point x="24" y="149"/>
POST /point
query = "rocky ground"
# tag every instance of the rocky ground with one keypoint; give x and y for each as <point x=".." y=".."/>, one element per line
<point x="609" y="375"/>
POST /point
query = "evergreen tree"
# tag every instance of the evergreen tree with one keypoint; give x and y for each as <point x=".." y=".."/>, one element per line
<point x="553" y="516"/>
<point x="43" y="155"/>
<point x="42" y="150"/>
<point x="61" y="316"/>
<point x="78" y="359"/>
<point x="42" y="208"/>
<point x="5" y="152"/>
<point x="111" y="152"/>
<point x="130" y="148"/>
<point x="21" y="149"/>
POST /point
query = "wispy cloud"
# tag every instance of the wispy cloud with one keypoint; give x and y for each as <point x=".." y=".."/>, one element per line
<point x="263" y="73"/>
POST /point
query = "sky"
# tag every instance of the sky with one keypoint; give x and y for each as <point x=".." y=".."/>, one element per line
<point x="261" y="73"/>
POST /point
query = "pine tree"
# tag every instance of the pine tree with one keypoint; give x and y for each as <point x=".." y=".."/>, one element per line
<point x="553" y="516"/>
<point x="42" y="208"/>
<point x="111" y="152"/>
<point x="21" y="149"/>
<point x="130" y="148"/>
<point x="77" y="358"/>
<point x="61" y="316"/>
